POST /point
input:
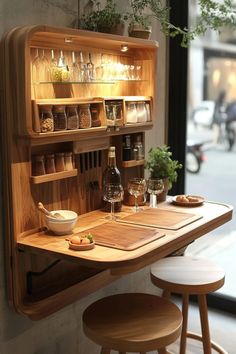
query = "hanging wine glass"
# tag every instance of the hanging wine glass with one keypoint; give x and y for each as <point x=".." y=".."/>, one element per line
<point x="137" y="187"/>
<point x="44" y="68"/>
<point x="112" y="192"/>
<point x="35" y="67"/>
<point x="155" y="186"/>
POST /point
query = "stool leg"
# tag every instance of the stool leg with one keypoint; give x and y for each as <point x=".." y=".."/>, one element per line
<point x="204" y="324"/>
<point x="105" y="351"/>
<point x="183" y="340"/>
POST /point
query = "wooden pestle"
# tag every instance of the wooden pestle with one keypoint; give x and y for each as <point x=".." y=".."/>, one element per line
<point x="48" y="213"/>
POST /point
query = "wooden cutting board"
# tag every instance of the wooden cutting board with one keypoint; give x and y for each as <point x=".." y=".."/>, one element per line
<point x="161" y="218"/>
<point x="124" y="237"/>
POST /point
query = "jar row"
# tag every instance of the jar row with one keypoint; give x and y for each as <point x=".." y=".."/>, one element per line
<point x="138" y="112"/>
<point x="52" y="163"/>
<point x="60" y="117"/>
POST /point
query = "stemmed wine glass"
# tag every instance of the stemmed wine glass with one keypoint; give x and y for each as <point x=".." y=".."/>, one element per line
<point x="155" y="186"/>
<point x="137" y="187"/>
<point x="113" y="192"/>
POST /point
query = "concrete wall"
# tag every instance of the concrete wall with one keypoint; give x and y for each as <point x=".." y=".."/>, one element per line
<point x="61" y="333"/>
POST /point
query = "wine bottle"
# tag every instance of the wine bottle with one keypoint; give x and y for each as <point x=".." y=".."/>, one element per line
<point x="111" y="175"/>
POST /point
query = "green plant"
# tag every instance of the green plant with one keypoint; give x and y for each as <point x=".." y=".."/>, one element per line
<point x="161" y="165"/>
<point x="213" y="15"/>
<point x="101" y="20"/>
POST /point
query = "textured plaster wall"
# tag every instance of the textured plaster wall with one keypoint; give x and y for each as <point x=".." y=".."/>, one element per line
<point x="62" y="333"/>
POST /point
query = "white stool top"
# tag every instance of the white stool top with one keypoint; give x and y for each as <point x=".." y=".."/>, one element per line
<point x="187" y="275"/>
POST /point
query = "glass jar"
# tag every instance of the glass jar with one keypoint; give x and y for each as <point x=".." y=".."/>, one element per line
<point x="50" y="163"/>
<point x="85" y="120"/>
<point x="131" y="114"/>
<point x="38" y="167"/>
<point x="46" y="119"/>
<point x="68" y="161"/>
<point x="141" y="112"/>
<point x="96" y="121"/>
<point x="72" y="117"/>
<point x="59" y="162"/>
<point x="59" y="115"/>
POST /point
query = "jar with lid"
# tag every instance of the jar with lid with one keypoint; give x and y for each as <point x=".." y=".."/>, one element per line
<point x="68" y="161"/>
<point x="50" y="163"/>
<point x="84" y="116"/>
<point x="131" y="114"/>
<point x="38" y="167"/>
<point x="59" y="162"/>
<point x="72" y="117"/>
<point x="59" y="115"/>
<point x="139" y="146"/>
<point x="46" y="119"/>
<point x="141" y="112"/>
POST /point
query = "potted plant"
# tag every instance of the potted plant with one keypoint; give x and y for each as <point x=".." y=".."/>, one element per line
<point x="139" y="21"/>
<point x="161" y="165"/>
<point x="107" y="19"/>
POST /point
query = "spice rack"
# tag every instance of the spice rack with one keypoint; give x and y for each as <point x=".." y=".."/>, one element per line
<point x="22" y="139"/>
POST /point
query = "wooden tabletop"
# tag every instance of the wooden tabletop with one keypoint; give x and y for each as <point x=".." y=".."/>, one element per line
<point x="212" y="215"/>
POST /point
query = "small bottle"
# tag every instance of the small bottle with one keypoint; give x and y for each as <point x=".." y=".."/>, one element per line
<point x="139" y="146"/>
<point x="59" y="162"/>
<point x="127" y="151"/>
<point x="50" y="164"/>
<point x="72" y="117"/>
<point x="38" y="167"/>
<point x="46" y="119"/>
<point x="111" y="175"/>
<point x="59" y="115"/>
<point x="68" y="161"/>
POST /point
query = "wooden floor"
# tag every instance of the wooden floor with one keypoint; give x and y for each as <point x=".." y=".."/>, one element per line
<point x="222" y="326"/>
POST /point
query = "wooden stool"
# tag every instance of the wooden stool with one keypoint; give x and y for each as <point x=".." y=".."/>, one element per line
<point x="132" y="323"/>
<point x="190" y="276"/>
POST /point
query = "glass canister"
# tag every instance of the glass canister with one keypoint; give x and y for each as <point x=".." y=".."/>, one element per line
<point x="46" y="119"/>
<point x="60" y="120"/>
<point x="68" y="161"/>
<point x="141" y="112"/>
<point x="96" y="121"/>
<point x="59" y="162"/>
<point x="72" y="117"/>
<point x="50" y="163"/>
<point x="131" y="112"/>
<point x="38" y="167"/>
<point x="85" y="120"/>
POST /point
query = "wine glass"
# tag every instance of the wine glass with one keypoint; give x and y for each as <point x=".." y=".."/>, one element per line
<point x="155" y="186"/>
<point x="137" y="187"/>
<point x="113" y="192"/>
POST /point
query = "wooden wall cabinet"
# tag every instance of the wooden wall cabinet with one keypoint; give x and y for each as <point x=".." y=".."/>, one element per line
<point x="35" y="279"/>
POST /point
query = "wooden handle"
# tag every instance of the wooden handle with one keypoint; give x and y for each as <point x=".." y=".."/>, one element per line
<point x="45" y="211"/>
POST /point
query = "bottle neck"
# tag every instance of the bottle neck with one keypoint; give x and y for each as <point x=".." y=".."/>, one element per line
<point x="111" y="160"/>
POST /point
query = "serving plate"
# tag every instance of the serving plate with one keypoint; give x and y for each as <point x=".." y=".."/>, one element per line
<point x="86" y="247"/>
<point x="189" y="204"/>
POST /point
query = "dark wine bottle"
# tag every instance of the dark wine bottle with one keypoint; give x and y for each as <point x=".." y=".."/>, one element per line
<point x="111" y="175"/>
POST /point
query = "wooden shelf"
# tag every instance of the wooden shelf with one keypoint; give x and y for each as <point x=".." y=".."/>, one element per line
<point x="132" y="163"/>
<point x="49" y="177"/>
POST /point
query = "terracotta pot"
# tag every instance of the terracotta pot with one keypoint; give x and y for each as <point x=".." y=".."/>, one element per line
<point x="136" y="30"/>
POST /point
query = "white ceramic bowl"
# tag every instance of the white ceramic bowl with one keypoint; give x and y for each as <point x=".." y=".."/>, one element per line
<point x="62" y="226"/>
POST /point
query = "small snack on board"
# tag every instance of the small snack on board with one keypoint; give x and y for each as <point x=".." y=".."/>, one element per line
<point x="188" y="200"/>
<point x="81" y="242"/>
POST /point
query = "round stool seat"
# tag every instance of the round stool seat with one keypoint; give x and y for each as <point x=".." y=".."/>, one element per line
<point x="187" y="275"/>
<point x="132" y="322"/>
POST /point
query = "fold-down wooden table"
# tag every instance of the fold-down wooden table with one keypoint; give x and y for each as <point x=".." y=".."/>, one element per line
<point x="175" y="228"/>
